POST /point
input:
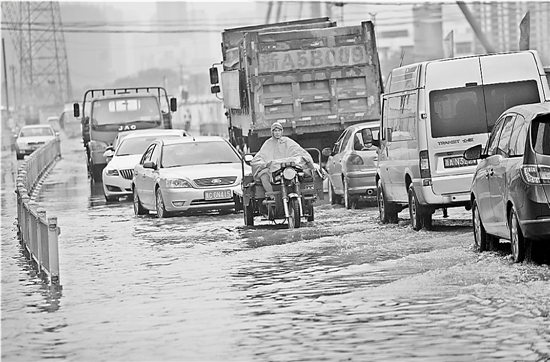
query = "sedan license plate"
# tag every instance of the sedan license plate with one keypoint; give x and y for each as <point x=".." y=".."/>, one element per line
<point x="218" y="194"/>
<point x="458" y="161"/>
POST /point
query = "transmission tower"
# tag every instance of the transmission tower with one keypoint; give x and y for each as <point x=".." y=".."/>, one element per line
<point x="37" y="34"/>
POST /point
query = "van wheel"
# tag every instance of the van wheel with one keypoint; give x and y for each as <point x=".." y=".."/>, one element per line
<point x="386" y="209"/>
<point x="415" y="211"/>
<point x="482" y="240"/>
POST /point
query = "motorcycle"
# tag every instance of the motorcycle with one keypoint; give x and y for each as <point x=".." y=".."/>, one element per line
<point x="295" y="190"/>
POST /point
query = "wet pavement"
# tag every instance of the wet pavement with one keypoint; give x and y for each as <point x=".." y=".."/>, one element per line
<point x="206" y="288"/>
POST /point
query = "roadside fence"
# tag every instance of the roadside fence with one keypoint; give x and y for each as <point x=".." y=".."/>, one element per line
<point x="37" y="233"/>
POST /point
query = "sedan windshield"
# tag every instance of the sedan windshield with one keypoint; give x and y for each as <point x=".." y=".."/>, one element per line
<point x="136" y="146"/>
<point x="38" y="131"/>
<point x="198" y="153"/>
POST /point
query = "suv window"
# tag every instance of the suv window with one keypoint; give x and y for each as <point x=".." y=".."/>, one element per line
<point x="519" y="137"/>
<point x="504" y="139"/>
<point x="540" y="134"/>
<point x="492" y="142"/>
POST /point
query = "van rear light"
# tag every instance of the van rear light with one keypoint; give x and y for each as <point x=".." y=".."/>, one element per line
<point x="355" y="160"/>
<point x="535" y="175"/>
<point x="424" y="164"/>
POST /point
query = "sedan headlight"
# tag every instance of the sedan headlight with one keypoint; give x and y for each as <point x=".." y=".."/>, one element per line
<point x="177" y="183"/>
<point x="112" y="172"/>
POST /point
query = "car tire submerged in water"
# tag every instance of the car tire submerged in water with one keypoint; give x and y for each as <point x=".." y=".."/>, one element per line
<point x="138" y="209"/>
<point x="385" y="209"/>
<point x="482" y="240"/>
<point x="519" y="244"/>
<point x="159" y="205"/>
<point x="332" y="197"/>
<point x="349" y="201"/>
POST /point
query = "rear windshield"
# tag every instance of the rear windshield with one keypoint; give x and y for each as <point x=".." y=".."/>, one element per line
<point x="198" y="153"/>
<point x="38" y="131"/>
<point x="136" y="146"/>
<point x="474" y="110"/>
<point x="540" y="134"/>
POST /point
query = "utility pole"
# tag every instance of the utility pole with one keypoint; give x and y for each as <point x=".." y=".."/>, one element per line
<point x="12" y="67"/>
<point x="475" y="26"/>
<point x="268" y="16"/>
<point x="5" y="76"/>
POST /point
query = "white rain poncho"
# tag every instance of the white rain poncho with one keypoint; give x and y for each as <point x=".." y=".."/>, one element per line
<point x="274" y="149"/>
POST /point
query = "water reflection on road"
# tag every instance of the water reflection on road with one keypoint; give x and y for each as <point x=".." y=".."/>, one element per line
<point x="206" y="288"/>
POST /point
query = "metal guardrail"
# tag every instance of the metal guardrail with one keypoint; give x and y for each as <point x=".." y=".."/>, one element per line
<point x="38" y="233"/>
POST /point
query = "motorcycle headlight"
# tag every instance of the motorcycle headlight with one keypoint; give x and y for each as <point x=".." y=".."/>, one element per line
<point x="112" y="172"/>
<point x="177" y="183"/>
<point x="289" y="173"/>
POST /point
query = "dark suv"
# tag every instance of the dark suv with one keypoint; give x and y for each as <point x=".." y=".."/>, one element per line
<point x="510" y="191"/>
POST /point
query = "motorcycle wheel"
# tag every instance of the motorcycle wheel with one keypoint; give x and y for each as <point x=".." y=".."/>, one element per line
<point x="294" y="211"/>
<point x="248" y="212"/>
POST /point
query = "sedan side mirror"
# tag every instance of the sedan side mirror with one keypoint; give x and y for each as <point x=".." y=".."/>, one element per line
<point x="248" y="158"/>
<point x="150" y="164"/>
<point x="326" y="151"/>
<point x="473" y="153"/>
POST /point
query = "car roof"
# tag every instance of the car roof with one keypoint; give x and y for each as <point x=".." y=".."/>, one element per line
<point x="150" y="132"/>
<point x="36" y="126"/>
<point x="363" y="124"/>
<point x="171" y="141"/>
<point x="532" y="110"/>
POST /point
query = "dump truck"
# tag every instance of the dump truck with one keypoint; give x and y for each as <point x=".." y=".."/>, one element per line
<point x="313" y="77"/>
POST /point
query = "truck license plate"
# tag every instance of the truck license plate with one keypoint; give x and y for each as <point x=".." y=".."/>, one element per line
<point x="218" y="194"/>
<point x="458" y="161"/>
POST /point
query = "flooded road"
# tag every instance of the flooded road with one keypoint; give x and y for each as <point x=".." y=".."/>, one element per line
<point x="205" y="288"/>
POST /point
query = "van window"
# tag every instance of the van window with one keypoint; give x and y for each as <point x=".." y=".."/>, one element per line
<point x="540" y="134"/>
<point x="400" y="116"/>
<point x="474" y="110"/>
<point x="500" y="97"/>
<point x="457" y="112"/>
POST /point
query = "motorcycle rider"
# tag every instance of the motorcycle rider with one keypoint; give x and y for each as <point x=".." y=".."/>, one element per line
<point x="276" y="147"/>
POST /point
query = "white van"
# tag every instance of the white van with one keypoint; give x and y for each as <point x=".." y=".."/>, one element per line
<point x="434" y="110"/>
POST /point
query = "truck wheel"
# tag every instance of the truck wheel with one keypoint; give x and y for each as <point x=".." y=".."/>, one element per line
<point x="294" y="211"/>
<point x="385" y="209"/>
<point x="96" y="172"/>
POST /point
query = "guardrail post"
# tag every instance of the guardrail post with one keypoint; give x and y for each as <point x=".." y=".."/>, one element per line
<point x="41" y="215"/>
<point x="53" y="232"/>
<point x="25" y="220"/>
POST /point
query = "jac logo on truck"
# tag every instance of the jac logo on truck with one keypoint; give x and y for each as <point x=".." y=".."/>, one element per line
<point x="314" y="58"/>
<point x="127" y="127"/>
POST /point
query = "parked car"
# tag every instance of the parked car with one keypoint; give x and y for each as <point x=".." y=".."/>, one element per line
<point x="510" y="191"/>
<point x="351" y="165"/>
<point x="188" y="174"/>
<point x="117" y="175"/>
<point x="32" y="137"/>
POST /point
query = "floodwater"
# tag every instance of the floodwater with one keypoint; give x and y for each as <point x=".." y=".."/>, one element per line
<point x="206" y="288"/>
